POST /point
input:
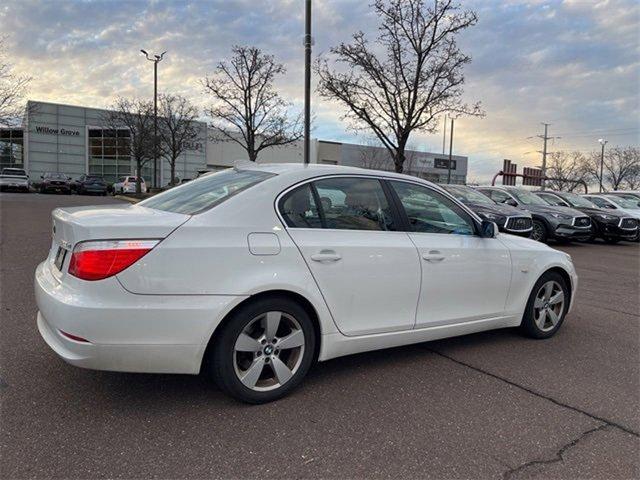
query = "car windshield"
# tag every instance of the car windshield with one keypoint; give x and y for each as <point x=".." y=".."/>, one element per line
<point x="576" y="200"/>
<point x="623" y="201"/>
<point x="526" y="197"/>
<point x="205" y="192"/>
<point x="56" y="176"/>
<point x="468" y="195"/>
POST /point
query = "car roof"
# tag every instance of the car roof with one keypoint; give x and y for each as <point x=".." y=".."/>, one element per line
<point x="299" y="171"/>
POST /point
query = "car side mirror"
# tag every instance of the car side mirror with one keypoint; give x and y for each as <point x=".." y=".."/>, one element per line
<point x="511" y="201"/>
<point x="488" y="229"/>
<point x="611" y="207"/>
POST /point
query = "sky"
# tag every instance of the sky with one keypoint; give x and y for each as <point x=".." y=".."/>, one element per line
<point x="574" y="64"/>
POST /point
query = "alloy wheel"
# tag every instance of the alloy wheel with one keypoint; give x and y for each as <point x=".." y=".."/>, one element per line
<point x="268" y="351"/>
<point x="548" y="305"/>
<point x="538" y="232"/>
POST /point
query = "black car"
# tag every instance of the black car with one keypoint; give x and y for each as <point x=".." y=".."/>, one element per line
<point x="610" y="226"/>
<point x="509" y="219"/>
<point x="55" y="182"/>
<point x="558" y="223"/>
<point x="90" y="184"/>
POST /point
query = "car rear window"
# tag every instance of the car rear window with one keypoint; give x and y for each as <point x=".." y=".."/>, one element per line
<point x="13" y="171"/>
<point x="205" y="192"/>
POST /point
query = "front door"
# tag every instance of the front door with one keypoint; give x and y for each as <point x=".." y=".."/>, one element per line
<point x="464" y="277"/>
<point x="367" y="270"/>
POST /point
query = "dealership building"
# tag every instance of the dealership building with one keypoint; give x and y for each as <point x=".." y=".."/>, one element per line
<point x="77" y="140"/>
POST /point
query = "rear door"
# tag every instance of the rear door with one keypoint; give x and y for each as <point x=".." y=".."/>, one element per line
<point x="366" y="268"/>
<point x="464" y="277"/>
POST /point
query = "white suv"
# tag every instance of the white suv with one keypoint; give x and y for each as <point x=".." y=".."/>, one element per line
<point x="128" y="185"/>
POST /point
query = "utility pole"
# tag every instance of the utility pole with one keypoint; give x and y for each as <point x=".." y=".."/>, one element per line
<point x="307" y="81"/>
<point x="545" y="138"/>
<point x="156" y="59"/>
<point x="444" y="134"/>
<point x="450" y="151"/>
<point x="602" y="142"/>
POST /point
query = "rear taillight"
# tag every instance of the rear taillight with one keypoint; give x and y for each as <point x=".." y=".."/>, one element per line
<point x="105" y="258"/>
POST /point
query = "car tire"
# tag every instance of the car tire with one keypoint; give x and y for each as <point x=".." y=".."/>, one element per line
<point x="244" y="358"/>
<point x="546" y="307"/>
<point x="539" y="232"/>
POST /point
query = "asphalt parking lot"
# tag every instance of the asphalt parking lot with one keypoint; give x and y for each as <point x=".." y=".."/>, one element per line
<point x="491" y="405"/>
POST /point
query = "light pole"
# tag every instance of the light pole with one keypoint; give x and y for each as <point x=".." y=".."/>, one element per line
<point x="156" y="59"/>
<point x="602" y="142"/>
<point x="308" y="41"/>
<point x="450" y="151"/>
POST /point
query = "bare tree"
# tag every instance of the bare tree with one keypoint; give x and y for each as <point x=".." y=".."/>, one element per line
<point x="375" y="156"/>
<point x="565" y="170"/>
<point x="247" y="109"/>
<point x="621" y="167"/>
<point x="13" y="89"/>
<point x="416" y="78"/>
<point x="177" y="128"/>
<point x="137" y="117"/>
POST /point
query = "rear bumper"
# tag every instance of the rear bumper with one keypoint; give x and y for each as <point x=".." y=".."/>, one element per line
<point x="14" y="185"/>
<point x="125" y="332"/>
<point x="121" y="358"/>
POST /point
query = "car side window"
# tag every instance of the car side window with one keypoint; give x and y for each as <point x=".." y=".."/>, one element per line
<point x="600" y="202"/>
<point x="299" y="209"/>
<point x="431" y="212"/>
<point x="553" y="200"/>
<point x="350" y="203"/>
<point x="499" y="196"/>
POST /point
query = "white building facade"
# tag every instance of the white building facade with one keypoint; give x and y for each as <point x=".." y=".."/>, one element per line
<point x="77" y="140"/>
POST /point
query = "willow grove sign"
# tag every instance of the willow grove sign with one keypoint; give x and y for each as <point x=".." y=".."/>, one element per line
<point x="57" y="131"/>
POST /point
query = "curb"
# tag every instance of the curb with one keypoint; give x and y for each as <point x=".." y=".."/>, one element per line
<point x="127" y="199"/>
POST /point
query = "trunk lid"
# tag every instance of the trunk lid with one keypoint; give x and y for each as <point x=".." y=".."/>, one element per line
<point x="107" y="222"/>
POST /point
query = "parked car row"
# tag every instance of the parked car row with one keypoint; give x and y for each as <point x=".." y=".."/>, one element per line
<point x="508" y="218"/>
<point x="562" y="216"/>
<point x="16" y="179"/>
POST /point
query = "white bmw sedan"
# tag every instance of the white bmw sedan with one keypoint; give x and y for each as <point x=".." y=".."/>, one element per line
<point x="250" y="275"/>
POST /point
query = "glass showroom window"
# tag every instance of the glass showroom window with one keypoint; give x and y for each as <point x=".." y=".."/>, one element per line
<point x="110" y="154"/>
<point x="11" y="148"/>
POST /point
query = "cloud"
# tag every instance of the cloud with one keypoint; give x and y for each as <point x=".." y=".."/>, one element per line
<point x="571" y="63"/>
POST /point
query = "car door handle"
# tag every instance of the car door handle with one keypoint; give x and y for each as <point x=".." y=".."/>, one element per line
<point x="326" y="256"/>
<point x="433" y="256"/>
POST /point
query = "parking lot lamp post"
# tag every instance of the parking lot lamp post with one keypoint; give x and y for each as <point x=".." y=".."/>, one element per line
<point x="308" y="42"/>
<point x="155" y="59"/>
<point x="602" y="142"/>
<point x="450" y="151"/>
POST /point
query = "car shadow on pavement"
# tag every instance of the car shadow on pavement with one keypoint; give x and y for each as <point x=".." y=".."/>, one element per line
<point x="143" y="391"/>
